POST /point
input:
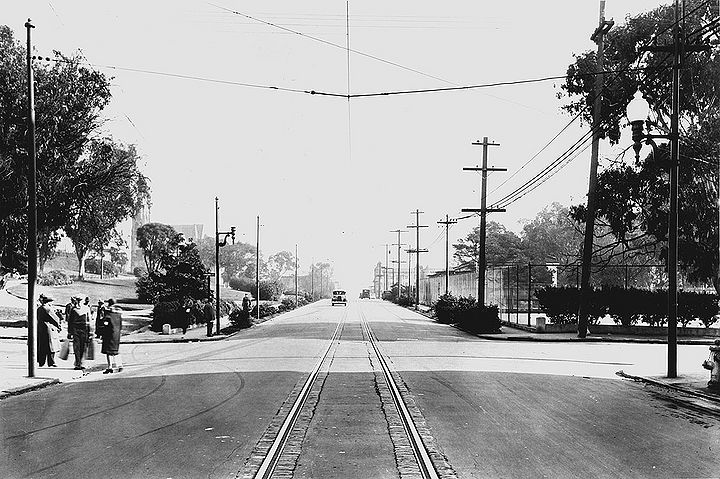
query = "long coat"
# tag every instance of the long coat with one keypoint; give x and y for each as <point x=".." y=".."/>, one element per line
<point x="110" y="333"/>
<point x="48" y="328"/>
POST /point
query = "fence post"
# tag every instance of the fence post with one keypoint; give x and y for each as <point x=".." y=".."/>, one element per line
<point x="529" y="297"/>
<point x="517" y="293"/>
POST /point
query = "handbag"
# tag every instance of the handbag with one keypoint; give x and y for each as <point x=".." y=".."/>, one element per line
<point x="90" y="350"/>
<point x="709" y="363"/>
<point x="64" y="350"/>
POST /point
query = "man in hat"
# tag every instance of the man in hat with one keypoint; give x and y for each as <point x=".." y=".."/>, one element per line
<point x="78" y="327"/>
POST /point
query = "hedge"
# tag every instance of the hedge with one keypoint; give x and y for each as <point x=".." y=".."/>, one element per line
<point x="467" y="314"/>
<point x="627" y="307"/>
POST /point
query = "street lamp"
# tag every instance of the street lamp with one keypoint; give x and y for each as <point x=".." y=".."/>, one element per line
<point x="218" y="245"/>
<point x="637" y="112"/>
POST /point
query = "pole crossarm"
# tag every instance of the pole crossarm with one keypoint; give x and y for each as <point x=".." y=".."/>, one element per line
<point x="477" y="168"/>
<point x="481" y="210"/>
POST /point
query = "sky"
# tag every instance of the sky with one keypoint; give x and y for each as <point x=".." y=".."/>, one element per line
<point x="329" y="175"/>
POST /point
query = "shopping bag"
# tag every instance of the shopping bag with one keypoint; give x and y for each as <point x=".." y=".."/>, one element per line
<point x="64" y="350"/>
<point x="90" y="350"/>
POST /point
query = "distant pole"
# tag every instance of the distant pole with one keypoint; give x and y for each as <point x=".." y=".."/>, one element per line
<point x="409" y="251"/>
<point x="217" y="271"/>
<point x="399" y="277"/>
<point x="257" y="267"/>
<point x="417" y="252"/>
<point x="296" y="276"/>
<point x="312" y="280"/>
<point x="387" y="252"/>
<point x="32" y="210"/>
<point x="529" y="292"/>
<point x="447" y="224"/>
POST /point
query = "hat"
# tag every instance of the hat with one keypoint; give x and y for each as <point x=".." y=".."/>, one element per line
<point x="44" y="299"/>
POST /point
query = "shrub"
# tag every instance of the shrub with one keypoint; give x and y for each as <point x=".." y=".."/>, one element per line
<point x="55" y="278"/>
<point x="265" y="310"/>
<point x="701" y="306"/>
<point x="241" y="283"/>
<point x="559" y="304"/>
<point x="227" y="307"/>
<point x="626" y="306"/>
<point x="240" y="319"/>
<point x="92" y="265"/>
<point x="405" y="301"/>
<point x="480" y="319"/>
<point x="286" y="305"/>
<point x="139" y="271"/>
<point x="444" y="308"/>
<point x="167" y="312"/>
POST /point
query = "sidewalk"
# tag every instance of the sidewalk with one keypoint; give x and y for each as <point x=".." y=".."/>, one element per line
<point x="694" y="384"/>
<point x="13" y="363"/>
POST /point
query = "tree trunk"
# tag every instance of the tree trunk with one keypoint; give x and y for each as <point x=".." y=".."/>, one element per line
<point x="80" y="253"/>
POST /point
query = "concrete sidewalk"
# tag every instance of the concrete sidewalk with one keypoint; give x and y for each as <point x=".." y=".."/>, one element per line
<point x="14" y="368"/>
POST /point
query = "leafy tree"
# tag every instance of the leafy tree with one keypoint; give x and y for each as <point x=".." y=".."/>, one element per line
<point x="238" y="259"/>
<point x="156" y="240"/>
<point x="180" y="275"/>
<point x="280" y="263"/>
<point x="552" y="236"/>
<point x="633" y="197"/>
<point x="96" y="214"/>
<point x="69" y="102"/>
<point x="501" y="246"/>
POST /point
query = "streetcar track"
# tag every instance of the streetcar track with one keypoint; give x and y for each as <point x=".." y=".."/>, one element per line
<point x="419" y="450"/>
<point x="274" y="453"/>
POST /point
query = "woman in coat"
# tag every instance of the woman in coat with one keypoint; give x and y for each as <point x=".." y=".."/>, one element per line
<point x="48" y="333"/>
<point x="110" y="333"/>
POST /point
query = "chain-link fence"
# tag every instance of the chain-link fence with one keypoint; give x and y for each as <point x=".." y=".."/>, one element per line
<point x="512" y="286"/>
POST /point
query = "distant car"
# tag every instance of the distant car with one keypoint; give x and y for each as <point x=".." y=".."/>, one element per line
<point x="365" y="294"/>
<point x="338" y="297"/>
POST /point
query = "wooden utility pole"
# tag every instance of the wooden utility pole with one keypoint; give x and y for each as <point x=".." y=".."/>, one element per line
<point x="296" y="276"/>
<point x="585" y="291"/>
<point x="447" y="224"/>
<point x="483" y="210"/>
<point x="32" y="210"/>
<point x="417" y="252"/>
<point x="257" y="267"/>
<point x="398" y="244"/>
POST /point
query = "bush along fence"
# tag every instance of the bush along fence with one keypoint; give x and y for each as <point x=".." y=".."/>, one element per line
<point x="467" y="314"/>
<point x="627" y="307"/>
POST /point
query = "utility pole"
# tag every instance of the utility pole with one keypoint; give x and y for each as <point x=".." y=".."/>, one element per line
<point x="484" y="210"/>
<point x="677" y="49"/>
<point x="598" y="37"/>
<point x="387" y="253"/>
<point x="398" y="244"/>
<point x="32" y="210"/>
<point x="312" y="280"/>
<point x="417" y="252"/>
<point x="447" y="224"/>
<point x="409" y="252"/>
<point x="257" y="267"/>
<point x="296" y="276"/>
<point x="218" y="245"/>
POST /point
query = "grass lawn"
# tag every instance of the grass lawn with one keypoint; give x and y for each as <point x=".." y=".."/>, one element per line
<point x="121" y="289"/>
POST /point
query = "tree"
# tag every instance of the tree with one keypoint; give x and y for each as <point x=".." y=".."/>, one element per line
<point x="69" y="102"/>
<point x="113" y="191"/>
<point x="156" y="239"/>
<point x="237" y="259"/>
<point x="552" y="236"/>
<point x="179" y="276"/>
<point x="632" y="197"/>
<point x="280" y="263"/>
<point x="501" y="246"/>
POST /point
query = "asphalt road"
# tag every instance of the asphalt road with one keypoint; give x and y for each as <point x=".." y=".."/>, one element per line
<point x="494" y="409"/>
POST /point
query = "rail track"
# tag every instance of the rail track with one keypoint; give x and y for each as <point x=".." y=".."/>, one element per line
<point x="271" y="456"/>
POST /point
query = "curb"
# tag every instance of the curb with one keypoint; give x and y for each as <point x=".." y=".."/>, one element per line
<point x="655" y="382"/>
<point x="26" y="389"/>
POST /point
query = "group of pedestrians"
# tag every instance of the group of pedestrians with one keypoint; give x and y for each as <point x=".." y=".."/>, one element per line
<point x="78" y="315"/>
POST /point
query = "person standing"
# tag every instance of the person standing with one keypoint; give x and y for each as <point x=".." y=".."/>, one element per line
<point x="246" y="304"/>
<point x="209" y="315"/>
<point x="78" y="326"/>
<point x="110" y="333"/>
<point x="99" y="316"/>
<point x="48" y="329"/>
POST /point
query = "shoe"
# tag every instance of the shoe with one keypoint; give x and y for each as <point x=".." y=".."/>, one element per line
<point x="120" y="370"/>
<point x="53" y="365"/>
<point x="79" y="368"/>
<point x="107" y="371"/>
